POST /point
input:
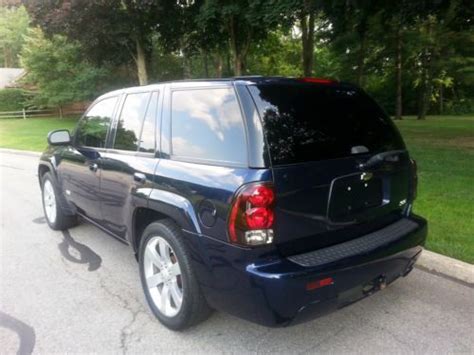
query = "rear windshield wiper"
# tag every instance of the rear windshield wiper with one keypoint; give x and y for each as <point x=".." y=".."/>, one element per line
<point x="392" y="156"/>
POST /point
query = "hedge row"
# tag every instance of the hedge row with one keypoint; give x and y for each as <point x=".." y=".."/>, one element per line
<point x="12" y="99"/>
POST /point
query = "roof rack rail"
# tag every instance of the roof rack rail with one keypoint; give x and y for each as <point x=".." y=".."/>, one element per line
<point x="247" y="76"/>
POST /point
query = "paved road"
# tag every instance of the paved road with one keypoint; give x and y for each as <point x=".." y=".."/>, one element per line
<point x="79" y="291"/>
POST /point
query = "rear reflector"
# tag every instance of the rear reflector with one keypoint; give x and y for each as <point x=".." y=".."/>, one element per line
<point x="313" y="285"/>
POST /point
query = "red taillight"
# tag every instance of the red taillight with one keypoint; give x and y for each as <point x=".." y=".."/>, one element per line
<point x="262" y="196"/>
<point x="259" y="218"/>
<point x="317" y="80"/>
<point x="251" y="216"/>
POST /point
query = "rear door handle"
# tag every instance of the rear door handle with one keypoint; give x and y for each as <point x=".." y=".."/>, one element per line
<point x="139" y="177"/>
<point x="93" y="167"/>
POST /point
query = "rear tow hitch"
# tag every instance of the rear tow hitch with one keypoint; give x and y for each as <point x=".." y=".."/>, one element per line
<point x="379" y="283"/>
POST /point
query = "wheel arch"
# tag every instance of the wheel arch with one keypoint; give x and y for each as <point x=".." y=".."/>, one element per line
<point x="44" y="168"/>
<point x="47" y="167"/>
<point x="163" y="205"/>
<point x="142" y="217"/>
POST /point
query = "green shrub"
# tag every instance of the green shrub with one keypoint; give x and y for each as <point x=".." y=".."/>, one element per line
<point x="459" y="107"/>
<point x="12" y="99"/>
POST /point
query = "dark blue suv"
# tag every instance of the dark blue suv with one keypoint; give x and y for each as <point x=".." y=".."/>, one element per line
<point x="274" y="199"/>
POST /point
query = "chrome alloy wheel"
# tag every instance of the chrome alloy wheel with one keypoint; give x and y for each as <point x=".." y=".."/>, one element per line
<point x="49" y="201"/>
<point x="163" y="276"/>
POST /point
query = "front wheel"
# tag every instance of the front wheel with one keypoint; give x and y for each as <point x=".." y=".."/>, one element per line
<point x="169" y="283"/>
<point x="55" y="216"/>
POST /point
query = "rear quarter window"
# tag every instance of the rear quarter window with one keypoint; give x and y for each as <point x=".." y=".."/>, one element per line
<point x="306" y="122"/>
<point x="207" y="125"/>
<point x="129" y="125"/>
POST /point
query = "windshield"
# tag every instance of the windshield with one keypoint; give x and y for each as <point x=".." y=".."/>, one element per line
<point x="305" y="122"/>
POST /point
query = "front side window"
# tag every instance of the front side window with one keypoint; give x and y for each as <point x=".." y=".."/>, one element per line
<point x="130" y="123"/>
<point x="92" y="128"/>
<point x="207" y="124"/>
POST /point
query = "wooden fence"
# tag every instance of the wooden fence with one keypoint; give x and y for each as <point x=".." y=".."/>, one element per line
<point x="24" y="114"/>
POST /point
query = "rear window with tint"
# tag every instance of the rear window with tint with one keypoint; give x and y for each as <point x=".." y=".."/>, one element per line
<point x="305" y="122"/>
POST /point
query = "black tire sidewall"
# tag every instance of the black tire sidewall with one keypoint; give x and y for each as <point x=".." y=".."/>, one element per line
<point x="182" y="319"/>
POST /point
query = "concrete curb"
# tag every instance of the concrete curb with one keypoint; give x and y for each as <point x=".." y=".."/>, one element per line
<point x="446" y="266"/>
<point x="431" y="262"/>
<point x="20" y="152"/>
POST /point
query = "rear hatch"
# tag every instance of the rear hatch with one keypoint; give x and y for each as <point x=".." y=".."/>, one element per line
<point x="339" y="164"/>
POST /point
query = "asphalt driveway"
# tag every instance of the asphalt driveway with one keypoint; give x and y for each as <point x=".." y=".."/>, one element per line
<point x="79" y="291"/>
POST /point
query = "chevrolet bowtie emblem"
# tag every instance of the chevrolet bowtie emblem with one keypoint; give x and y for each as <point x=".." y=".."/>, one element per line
<point x="366" y="176"/>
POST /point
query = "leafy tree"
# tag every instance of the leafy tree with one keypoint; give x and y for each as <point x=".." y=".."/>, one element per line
<point x="110" y="30"/>
<point x="242" y="22"/>
<point x="58" y="68"/>
<point x="306" y="21"/>
<point x="278" y="55"/>
<point x="394" y="23"/>
<point x="204" y="38"/>
<point x="304" y="13"/>
<point x="352" y="20"/>
<point x="438" y="41"/>
<point x="13" y="26"/>
<point x="12" y="99"/>
<point x="414" y="57"/>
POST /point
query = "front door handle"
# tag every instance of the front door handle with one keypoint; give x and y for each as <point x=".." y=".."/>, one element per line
<point x="93" y="167"/>
<point x="139" y="177"/>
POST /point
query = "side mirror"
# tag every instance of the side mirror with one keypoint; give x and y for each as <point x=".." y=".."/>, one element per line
<point x="59" y="137"/>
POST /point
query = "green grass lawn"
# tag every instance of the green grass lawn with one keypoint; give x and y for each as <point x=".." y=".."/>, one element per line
<point x="442" y="146"/>
<point x="444" y="150"/>
<point x="30" y="134"/>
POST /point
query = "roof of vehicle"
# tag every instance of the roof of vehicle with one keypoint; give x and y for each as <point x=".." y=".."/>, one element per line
<point x="251" y="79"/>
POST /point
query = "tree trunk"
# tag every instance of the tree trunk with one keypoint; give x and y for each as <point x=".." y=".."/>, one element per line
<point x="233" y="45"/>
<point x="236" y="50"/>
<point x="206" y="64"/>
<point x="219" y="64"/>
<point x="422" y="105"/>
<point x="228" y="65"/>
<point x="422" y="96"/>
<point x="454" y="93"/>
<point x="423" y="99"/>
<point x="237" y="65"/>
<point x="441" y="99"/>
<point x="60" y="109"/>
<point x="427" y="73"/>
<point x="7" y="57"/>
<point x="361" y="60"/>
<point x="140" y="60"/>
<point x="398" y="68"/>
<point x="186" y="67"/>
<point x="307" y="41"/>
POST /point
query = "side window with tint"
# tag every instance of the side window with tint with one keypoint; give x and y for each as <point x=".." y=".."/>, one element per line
<point x="92" y="128"/>
<point x="147" y="138"/>
<point x="129" y="126"/>
<point x="207" y="124"/>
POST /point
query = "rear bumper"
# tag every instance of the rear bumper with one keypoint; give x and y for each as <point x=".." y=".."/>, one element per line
<point x="275" y="294"/>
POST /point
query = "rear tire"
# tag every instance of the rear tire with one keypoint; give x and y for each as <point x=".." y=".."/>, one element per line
<point x="170" y="286"/>
<point x="55" y="216"/>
